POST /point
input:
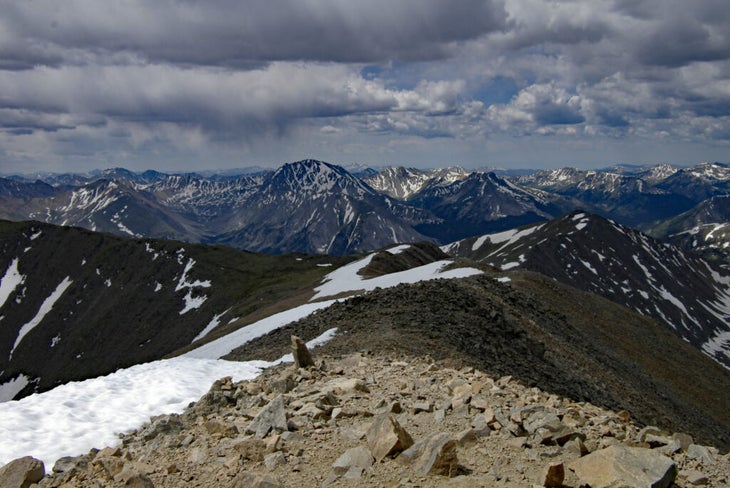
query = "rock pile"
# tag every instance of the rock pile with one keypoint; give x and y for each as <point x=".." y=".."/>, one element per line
<point x="367" y="420"/>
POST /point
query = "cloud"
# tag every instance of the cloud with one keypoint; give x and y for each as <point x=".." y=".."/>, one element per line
<point x="240" y="34"/>
<point x="141" y="80"/>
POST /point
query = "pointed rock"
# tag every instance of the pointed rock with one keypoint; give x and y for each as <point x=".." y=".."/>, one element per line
<point x="302" y="356"/>
<point x="435" y="454"/>
<point x="22" y="472"/>
<point x="630" y="467"/>
<point x="386" y="436"/>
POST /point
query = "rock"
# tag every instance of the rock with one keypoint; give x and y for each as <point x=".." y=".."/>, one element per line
<point x="649" y="430"/>
<point x="22" y="472"/>
<point x="701" y="454"/>
<point x="685" y="440"/>
<point x="357" y="457"/>
<point x="506" y="423"/>
<point x="554" y="476"/>
<point x="198" y="455"/>
<point x="624" y="466"/>
<point x="302" y="356"/>
<point x="341" y="386"/>
<point x="251" y="448"/>
<point x="166" y="424"/>
<point x="255" y="480"/>
<point x="419" y="407"/>
<point x="694" y="477"/>
<point x="386" y="436"/>
<point x="271" y="461"/>
<point x="68" y="463"/>
<point x="219" y="428"/>
<point x="576" y="447"/>
<point x="435" y="454"/>
<point x="139" y="481"/>
<point x="271" y="417"/>
<point x="112" y="465"/>
<point x="109" y="452"/>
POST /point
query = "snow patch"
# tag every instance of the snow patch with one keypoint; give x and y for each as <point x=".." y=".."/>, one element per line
<point x="590" y="268"/>
<point x="347" y="279"/>
<point x="718" y="345"/>
<point x="479" y="243"/>
<point x="214" y="322"/>
<point x="46" y="307"/>
<point x="10" y="281"/>
<point x="72" y="418"/>
<point x="11" y="388"/>
<point x="192" y="303"/>
<point x="183" y="282"/>
<point x="399" y="249"/>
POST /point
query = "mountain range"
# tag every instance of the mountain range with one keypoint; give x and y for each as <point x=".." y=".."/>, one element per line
<point x="318" y="208"/>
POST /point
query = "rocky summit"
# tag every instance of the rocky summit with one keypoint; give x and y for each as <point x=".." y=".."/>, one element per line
<point x="387" y="420"/>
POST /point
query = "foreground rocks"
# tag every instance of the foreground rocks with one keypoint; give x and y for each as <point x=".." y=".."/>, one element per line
<point x="363" y="420"/>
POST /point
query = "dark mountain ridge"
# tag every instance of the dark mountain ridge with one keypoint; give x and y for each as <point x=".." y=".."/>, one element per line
<point x="681" y="291"/>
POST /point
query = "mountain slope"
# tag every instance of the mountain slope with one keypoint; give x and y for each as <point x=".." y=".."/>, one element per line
<point x="627" y="199"/>
<point x="482" y="202"/>
<point x="678" y="290"/>
<point x="88" y="303"/>
<point x="705" y="229"/>
<point x="699" y="182"/>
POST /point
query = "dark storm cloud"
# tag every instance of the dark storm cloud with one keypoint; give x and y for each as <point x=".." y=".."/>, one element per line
<point x="239" y="34"/>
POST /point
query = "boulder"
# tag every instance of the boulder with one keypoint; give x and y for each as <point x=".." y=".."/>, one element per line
<point x="271" y="417"/>
<point x="386" y="436"/>
<point x="629" y="467"/>
<point x="435" y="454"/>
<point x="22" y="472"/>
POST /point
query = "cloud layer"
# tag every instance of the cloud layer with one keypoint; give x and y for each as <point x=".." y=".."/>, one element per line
<point x="190" y="84"/>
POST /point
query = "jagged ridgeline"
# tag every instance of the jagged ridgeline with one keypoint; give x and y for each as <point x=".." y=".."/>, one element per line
<point x="76" y="304"/>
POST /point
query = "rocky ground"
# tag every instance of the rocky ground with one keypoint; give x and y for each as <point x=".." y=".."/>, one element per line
<point x="392" y="420"/>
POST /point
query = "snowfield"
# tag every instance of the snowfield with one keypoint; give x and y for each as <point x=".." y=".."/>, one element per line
<point x="72" y="418"/>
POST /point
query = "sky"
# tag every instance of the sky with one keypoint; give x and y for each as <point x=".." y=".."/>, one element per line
<point x="185" y="85"/>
